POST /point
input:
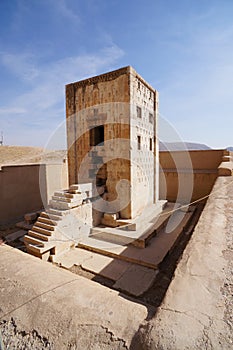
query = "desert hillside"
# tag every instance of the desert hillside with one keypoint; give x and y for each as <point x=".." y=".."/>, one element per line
<point x="180" y="146"/>
<point x="23" y="155"/>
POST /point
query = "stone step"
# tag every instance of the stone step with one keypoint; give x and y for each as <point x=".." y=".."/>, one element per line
<point x="60" y="193"/>
<point x="63" y="205"/>
<point x="144" y="240"/>
<point x="49" y="227"/>
<point x="77" y="197"/>
<point x="39" y="250"/>
<point x="71" y="195"/>
<point x="73" y="192"/>
<point x="38" y="235"/>
<point x="153" y="254"/>
<point x="81" y="187"/>
<point x="42" y="230"/>
<point x="33" y="241"/>
<point x="50" y="216"/>
<point x="113" y="251"/>
<point x="111" y="237"/>
<point x="57" y="212"/>
<point x="46" y="221"/>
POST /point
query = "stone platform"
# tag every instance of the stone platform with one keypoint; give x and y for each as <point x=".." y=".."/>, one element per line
<point x="140" y="230"/>
<point x="131" y="268"/>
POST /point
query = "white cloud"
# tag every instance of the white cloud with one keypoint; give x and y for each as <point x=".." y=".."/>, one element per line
<point x="42" y="106"/>
<point x="21" y="65"/>
<point x="12" y="110"/>
<point x="65" y="10"/>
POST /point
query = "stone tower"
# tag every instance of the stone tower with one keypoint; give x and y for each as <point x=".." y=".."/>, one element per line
<point x="112" y="139"/>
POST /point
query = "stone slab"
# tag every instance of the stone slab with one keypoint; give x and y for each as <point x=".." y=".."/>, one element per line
<point x="31" y="216"/>
<point x="47" y="299"/>
<point x="153" y="254"/>
<point x="148" y="222"/>
<point x="15" y="235"/>
<point x="136" y="280"/>
<point x="24" y="225"/>
<point x="82" y="188"/>
<point x="106" y="266"/>
<point x="73" y="257"/>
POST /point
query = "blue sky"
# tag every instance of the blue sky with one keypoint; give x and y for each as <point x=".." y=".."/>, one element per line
<point x="183" y="48"/>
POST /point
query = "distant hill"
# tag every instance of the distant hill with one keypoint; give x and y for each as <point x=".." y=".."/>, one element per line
<point x="230" y="149"/>
<point x="180" y="146"/>
<point x="10" y="155"/>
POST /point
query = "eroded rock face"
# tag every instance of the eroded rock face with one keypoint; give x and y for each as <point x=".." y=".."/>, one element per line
<point x="87" y="337"/>
<point x="15" y="338"/>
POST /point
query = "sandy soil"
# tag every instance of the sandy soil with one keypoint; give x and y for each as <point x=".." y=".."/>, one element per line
<point x="23" y="155"/>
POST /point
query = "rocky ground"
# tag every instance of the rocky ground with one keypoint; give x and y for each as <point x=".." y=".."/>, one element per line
<point x="15" y="339"/>
<point x="227" y="288"/>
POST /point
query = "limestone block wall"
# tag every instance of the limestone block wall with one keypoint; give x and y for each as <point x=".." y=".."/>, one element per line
<point x="90" y="103"/>
<point x="143" y="143"/>
<point x="103" y="132"/>
<point x="188" y="176"/>
<point x="26" y="188"/>
<point x="100" y="105"/>
<point x="52" y="177"/>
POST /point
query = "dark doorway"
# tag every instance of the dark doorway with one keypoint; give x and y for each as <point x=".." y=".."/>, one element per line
<point x="97" y="135"/>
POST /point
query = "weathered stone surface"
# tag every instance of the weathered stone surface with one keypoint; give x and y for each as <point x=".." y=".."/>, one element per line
<point x="73" y="257"/>
<point x="29" y="217"/>
<point x="136" y="280"/>
<point x="153" y="254"/>
<point x="197" y="310"/>
<point x="63" y="307"/>
<point x="103" y="128"/>
<point x="104" y="266"/>
<point x="64" y="224"/>
<point x="15" y="235"/>
<point x="24" y="225"/>
<point x="226" y="168"/>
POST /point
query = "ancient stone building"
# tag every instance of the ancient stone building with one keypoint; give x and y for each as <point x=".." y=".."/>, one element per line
<point x="112" y="140"/>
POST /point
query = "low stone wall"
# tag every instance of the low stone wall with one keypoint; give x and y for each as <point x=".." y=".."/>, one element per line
<point x="26" y="188"/>
<point x="189" y="175"/>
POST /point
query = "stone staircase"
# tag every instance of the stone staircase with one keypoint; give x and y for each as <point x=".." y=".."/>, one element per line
<point x="68" y="217"/>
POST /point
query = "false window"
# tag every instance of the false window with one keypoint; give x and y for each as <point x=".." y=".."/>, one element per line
<point x="97" y="135"/>
<point x="139" y="142"/>
<point x="139" y="112"/>
<point x="151" y="144"/>
<point x="151" y="118"/>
